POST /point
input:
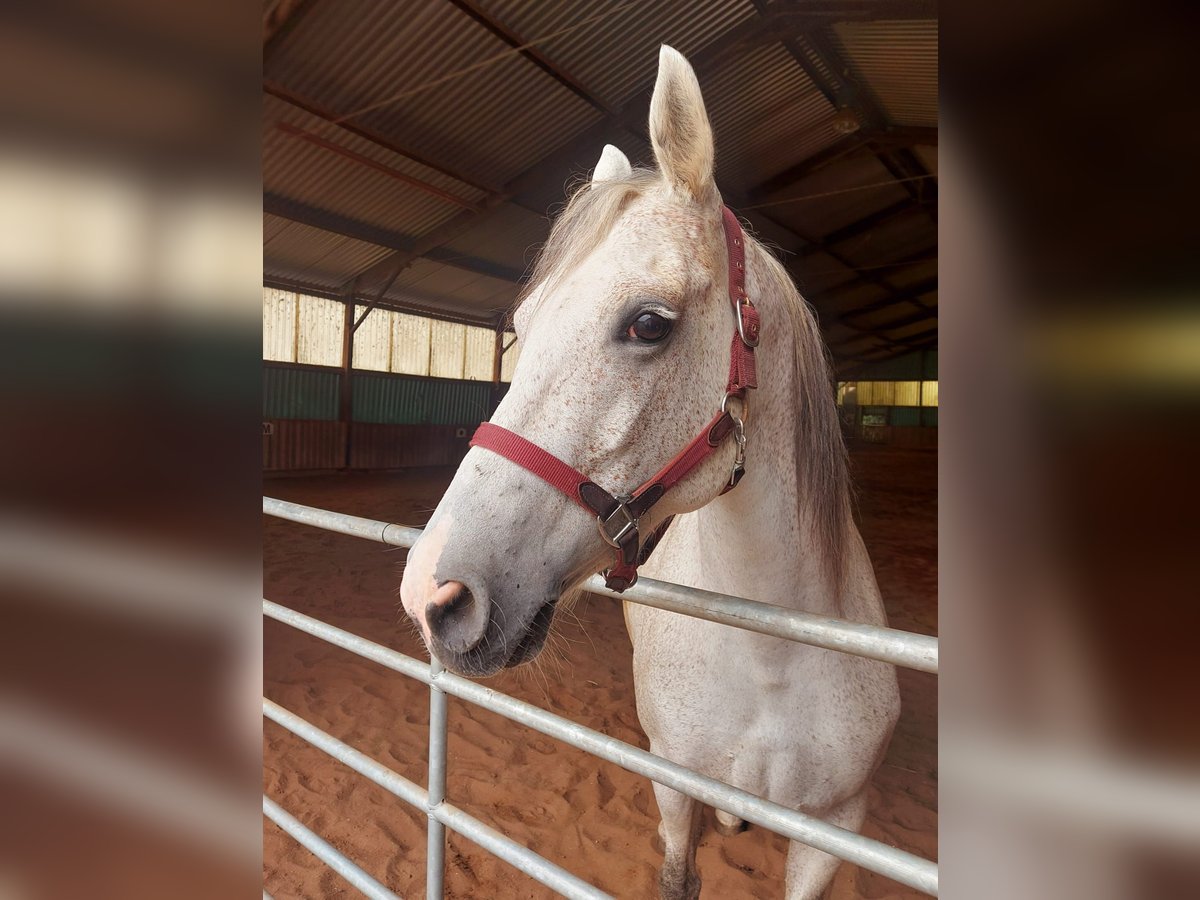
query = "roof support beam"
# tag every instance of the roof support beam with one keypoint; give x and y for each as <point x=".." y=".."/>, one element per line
<point x="802" y="15"/>
<point x="369" y="134"/>
<point x="842" y="90"/>
<point x="529" y="50"/>
<point x="287" y="284"/>
<point x="551" y="168"/>
<point x="862" y="226"/>
<point x="304" y="214"/>
<point x="861" y="142"/>
<point x="877" y="331"/>
<point x="907" y="295"/>
<point x="390" y="171"/>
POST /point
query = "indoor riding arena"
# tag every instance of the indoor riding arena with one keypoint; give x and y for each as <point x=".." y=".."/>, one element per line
<point x="415" y="157"/>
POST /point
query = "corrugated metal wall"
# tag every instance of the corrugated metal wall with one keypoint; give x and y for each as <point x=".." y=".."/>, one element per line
<point x="294" y="392"/>
<point x="399" y="420"/>
<point x="404" y="400"/>
<point x="279" y="325"/>
<point x="291" y="445"/>
<point x="401" y="446"/>
<point x="373" y="340"/>
<point x="290" y="392"/>
<point x="319" y="331"/>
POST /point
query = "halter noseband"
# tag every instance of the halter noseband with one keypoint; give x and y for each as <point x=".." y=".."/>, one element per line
<point x="618" y="516"/>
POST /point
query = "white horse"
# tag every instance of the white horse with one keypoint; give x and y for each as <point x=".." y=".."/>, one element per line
<point x="625" y="336"/>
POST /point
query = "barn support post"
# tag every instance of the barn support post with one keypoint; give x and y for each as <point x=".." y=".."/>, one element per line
<point x="497" y="367"/>
<point x="498" y="354"/>
<point x="345" y="386"/>
<point x="436" y="850"/>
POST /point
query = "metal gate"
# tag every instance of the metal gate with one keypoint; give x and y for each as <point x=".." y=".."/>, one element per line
<point x="889" y="645"/>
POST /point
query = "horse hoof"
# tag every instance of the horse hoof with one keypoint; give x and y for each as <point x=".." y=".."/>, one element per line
<point x="729" y="829"/>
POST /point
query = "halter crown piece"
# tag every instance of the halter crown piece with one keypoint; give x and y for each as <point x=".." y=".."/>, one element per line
<point x="618" y="516"/>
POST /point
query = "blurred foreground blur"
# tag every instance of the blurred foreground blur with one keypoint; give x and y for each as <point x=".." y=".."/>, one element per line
<point x="129" y="460"/>
<point x="130" y="244"/>
<point x="1070" y="352"/>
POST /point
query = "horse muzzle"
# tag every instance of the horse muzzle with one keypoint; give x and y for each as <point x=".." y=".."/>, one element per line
<point x="473" y="624"/>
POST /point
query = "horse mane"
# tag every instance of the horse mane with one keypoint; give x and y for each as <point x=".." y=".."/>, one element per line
<point x="822" y="466"/>
<point x="822" y="471"/>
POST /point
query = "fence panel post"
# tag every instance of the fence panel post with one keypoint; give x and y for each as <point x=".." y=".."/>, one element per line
<point x="435" y="868"/>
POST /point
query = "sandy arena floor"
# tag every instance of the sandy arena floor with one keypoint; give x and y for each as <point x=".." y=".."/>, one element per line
<point x="593" y="818"/>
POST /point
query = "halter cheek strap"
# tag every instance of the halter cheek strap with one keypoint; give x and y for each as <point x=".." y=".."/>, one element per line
<point x="618" y="516"/>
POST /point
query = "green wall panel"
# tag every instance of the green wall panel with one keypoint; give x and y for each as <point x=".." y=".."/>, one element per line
<point x="405" y="400"/>
<point x="290" y="392"/>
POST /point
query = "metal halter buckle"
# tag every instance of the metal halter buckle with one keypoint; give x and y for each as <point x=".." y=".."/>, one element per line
<point x="739" y="459"/>
<point x="739" y="436"/>
<point x="750" y="340"/>
<point x="630" y="524"/>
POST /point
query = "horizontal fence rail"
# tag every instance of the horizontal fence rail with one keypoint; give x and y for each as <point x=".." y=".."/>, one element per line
<point x="902" y="648"/>
<point x="885" y="644"/>
<point x="325" y="851"/>
<point x="469" y="827"/>
<point x="900" y="865"/>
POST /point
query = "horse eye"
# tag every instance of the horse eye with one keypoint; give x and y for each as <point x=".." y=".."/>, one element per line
<point x="650" y="328"/>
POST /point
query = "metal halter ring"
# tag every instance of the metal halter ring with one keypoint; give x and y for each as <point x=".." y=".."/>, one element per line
<point x="734" y="395"/>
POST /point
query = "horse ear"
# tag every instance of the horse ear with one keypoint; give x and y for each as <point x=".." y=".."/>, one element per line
<point x="679" y="129"/>
<point x="613" y="166"/>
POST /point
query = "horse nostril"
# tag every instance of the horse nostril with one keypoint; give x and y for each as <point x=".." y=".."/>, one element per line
<point x="457" y="619"/>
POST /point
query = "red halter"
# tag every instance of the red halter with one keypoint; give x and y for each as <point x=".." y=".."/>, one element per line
<point x="617" y="516"/>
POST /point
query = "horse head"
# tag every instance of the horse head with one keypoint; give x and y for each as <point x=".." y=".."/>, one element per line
<point x="625" y="336"/>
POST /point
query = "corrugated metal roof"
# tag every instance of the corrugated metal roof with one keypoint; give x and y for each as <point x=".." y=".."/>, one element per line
<point x="899" y="62"/>
<point x="618" y="51"/>
<point x="894" y="239"/>
<point x="319" y="177"/>
<point x="928" y="157"/>
<point x="511" y="237"/>
<point x="430" y="79"/>
<point x="766" y="114"/>
<point x="819" y="272"/>
<point x="426" y="283"/>
<point x="835" y="196"/>
<point x="312" y="255"/>
<point x="431" y="73"/>
<point x="904" y="276"/>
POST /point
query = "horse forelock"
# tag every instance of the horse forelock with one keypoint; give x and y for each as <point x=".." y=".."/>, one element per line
<point x="587" y="219"/>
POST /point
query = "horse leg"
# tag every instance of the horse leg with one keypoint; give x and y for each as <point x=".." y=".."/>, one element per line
<point x="728" y="824"/>
<point x="810" y="871"/>
<point x="678" y="879"/>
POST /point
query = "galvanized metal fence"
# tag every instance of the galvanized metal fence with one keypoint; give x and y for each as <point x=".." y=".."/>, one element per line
<point x="886" y="644"/>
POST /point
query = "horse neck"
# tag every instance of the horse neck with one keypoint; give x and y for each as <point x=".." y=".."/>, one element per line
<point x="760" y="534"/>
